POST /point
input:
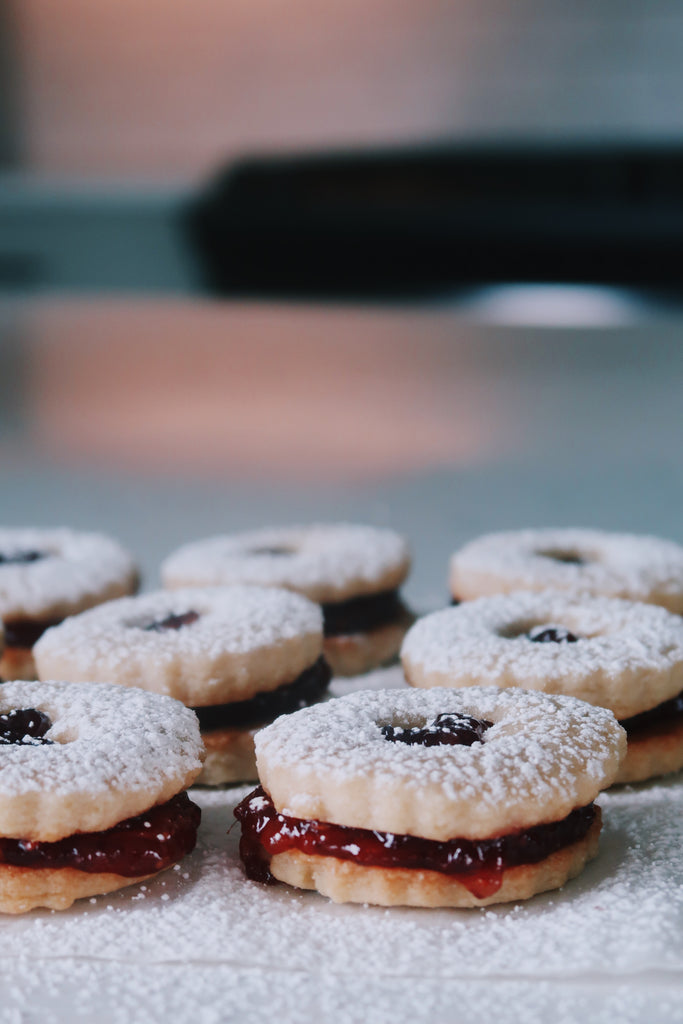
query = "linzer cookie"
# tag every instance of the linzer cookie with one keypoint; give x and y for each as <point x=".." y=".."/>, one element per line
<point x="239" y="656"/>
<point x="354" y="572"/>
<point x="637" y="568"/>
<point x="46" y="575"/>
<point x="437" y="798"/>
<point x="622" y="655"/>
<point x="92" y="782"/>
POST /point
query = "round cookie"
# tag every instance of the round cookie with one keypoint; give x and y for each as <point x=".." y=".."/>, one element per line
<point x="46" y="575"/>
<point x="622" y="655"/>
<point x="430" y="798"/>
<point x="238" y="655"/>
<point x="91" y="790"/>
<point x="353" y="571"/>
<point x="638" y="568"/>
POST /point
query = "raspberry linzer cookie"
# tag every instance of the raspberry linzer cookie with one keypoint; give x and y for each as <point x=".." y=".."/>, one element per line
<point x="354" y="572"/>
<point x="239" y="656"/>
<point x="637" y="568"/>
<point x="92" y="782"/>
<point x="622" y="655"/>
<point x="436" y="798"/>
<point x="46" y="575"/>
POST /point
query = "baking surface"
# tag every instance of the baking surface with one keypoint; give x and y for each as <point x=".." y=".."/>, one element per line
<point x="202" y="944"/>
<point x="472" y="430"/>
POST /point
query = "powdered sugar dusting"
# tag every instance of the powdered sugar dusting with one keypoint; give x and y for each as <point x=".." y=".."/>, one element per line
<point x="629" y="656"/>
<point x="641" y="568"/>
<point x="321" y="561"/>
<point x="605" y="947"/>
<point x="79" y="569"/>
<point x="112" y="748"/>
<point x="543" y="756"/>
<point x="242" y="636"/>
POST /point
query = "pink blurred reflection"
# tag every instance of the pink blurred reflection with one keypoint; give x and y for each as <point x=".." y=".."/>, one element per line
<point x="190" y="389"/>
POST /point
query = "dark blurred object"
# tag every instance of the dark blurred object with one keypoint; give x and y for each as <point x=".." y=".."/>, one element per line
<point x="421" y="222"/>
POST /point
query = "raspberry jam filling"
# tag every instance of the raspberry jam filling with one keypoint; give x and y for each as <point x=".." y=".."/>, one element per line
<point x="24" y="633"/>
<point x="477" y="864"/>
<point x="360" y="614"/>
<point x="451" y="729"/>
<point x="264" y="707"/>
<point x="660" y="719"/>
<point x="551" y="634"/>
<point x="138" y="846"/>
<point x="25" y="726"/>
<point x="174" y="622"/>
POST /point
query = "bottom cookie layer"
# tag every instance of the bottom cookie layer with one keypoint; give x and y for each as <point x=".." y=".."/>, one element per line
<point x="230" y="757"/>
<point x="650" y="754"/>
<point x="17" y="663"/>
<point x="345" y="882"/>
<point x="353" y="654"/>
<point x="24" y="889"/>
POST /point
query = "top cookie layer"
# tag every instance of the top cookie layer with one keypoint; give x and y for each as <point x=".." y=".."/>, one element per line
<point x="639" y="568"/>
<point x="543" y="756"/>
<point x="327" y="562"/>
<point x="60" y="572"/>
<point x="628" y="656"/>
<point x="239" y="641"/>
<point x="115" y="753"/>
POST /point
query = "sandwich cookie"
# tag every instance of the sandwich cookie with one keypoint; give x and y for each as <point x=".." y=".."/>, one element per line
<point x="353" y="572"/>
<point x="92" y="782"/>
<point x="239" y="656"/>
<point x="437" y="798"/>
<point x="637" y="568"/>
<point x="46" y="575"/>
<point x="621" y="655"/>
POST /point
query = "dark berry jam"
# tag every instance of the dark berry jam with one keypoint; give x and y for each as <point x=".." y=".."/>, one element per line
<point x="24" y="633"/>
<point x="477" y="864"/>
<point x="264" y="707"/>
<point x="21" y="557"/>
<point x="360" y="614"/>
<point x="138" y="846"/>
<point x="172" y="622"/>
<point x="24" y="726"/>
<point x="451" y="729"/>
<point x="660" y="719"/>
<point x="551" y="635"/>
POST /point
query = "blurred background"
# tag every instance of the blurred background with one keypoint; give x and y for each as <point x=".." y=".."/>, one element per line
<point x="412" y="263"/>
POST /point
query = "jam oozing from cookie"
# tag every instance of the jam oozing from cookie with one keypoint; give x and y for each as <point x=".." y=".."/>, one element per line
<point x="360" y="614"/>
<point x="25" y="726"/>
<point x="172" y="622"/>
<point x="264" y="707"/>
<point x="477" y="864"/>
<point x="660" y="719"/>
<point x="446" y="729"/>
<point x="552" y="635"/>
<point x="24" y="633"/>
<point x="20" y="557"/>
<point x="138" y="846"/>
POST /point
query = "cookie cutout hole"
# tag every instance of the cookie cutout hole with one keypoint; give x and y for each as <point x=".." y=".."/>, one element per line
<point x="539" y="632"/>
<point x="171" y="622"/>
<point x="447" y="729"/>
<point x="565" y="557"/>
<point x="24" y="727"/>
<point x="552" y="634"/>
<point x="21" y="557"/>
<point x="277" y="551"/>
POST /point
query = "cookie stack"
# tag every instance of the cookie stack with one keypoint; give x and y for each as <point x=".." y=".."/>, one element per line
<point x="546" y="630"/>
